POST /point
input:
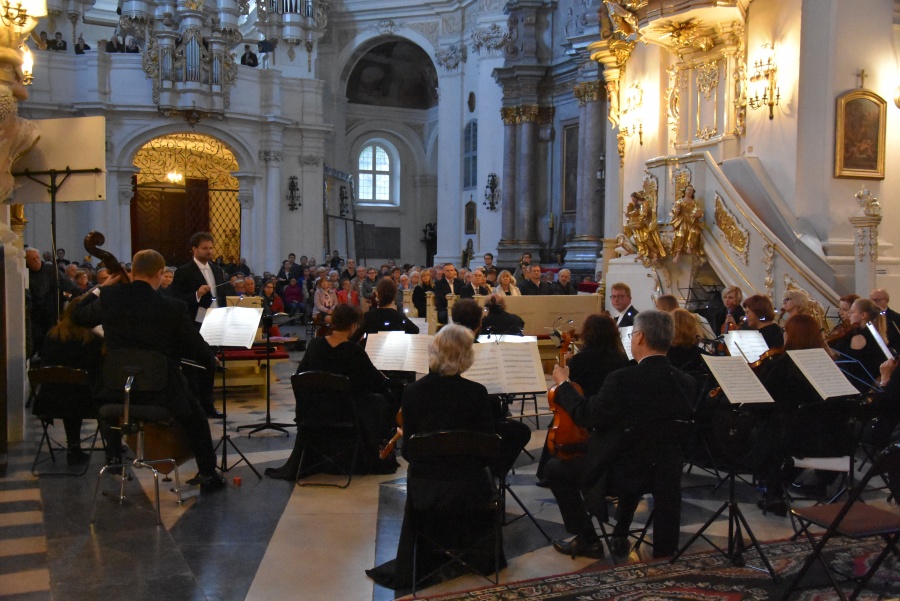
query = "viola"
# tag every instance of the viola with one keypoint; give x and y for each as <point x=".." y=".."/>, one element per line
<point x="92" y="243"/>
<point x="565" y="439"/>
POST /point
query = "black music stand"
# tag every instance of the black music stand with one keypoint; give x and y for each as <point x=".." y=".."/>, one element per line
<point x="226" y="437"/>
<point x="267" y="321"/>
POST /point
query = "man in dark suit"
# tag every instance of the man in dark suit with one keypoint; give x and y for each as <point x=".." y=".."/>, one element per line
<point x="563" y="285"/>
<point x="620" y="297"/>
<point x="135" y="316"/>
<point x="478" y="287"/>
<point x="533" y="284"/>
<point x="880" y="297"/>
<point x="650" y="391"/>
<point x="449" y="284"/>
<point x="202" y="285"/>
<point x="249" y="57"/>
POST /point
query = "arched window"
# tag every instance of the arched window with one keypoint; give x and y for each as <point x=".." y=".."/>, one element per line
<point x="377" y="170"/>
<point x="470" y="155"/>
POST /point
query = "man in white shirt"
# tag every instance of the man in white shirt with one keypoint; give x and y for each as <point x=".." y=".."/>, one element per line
<point x="623" y="312"/>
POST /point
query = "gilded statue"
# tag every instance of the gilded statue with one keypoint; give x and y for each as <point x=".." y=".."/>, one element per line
<point x="641" y="227"/>
<point x="687" y="225"/>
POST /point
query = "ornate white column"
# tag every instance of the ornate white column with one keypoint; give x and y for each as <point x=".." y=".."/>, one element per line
<point x="246" y="194"/>
<point x="865" y="226"/>
<point x="272" y="227"/>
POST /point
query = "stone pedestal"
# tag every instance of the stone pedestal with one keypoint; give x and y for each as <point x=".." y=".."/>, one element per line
<point x="866" y="251"/>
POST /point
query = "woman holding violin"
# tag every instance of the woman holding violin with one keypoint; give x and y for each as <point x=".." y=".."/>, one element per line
<point x="760" y="315"/>
<point x="844" y="327"/>
<point x="859" y="346"/>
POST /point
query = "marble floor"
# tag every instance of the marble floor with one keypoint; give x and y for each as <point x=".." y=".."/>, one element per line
<point x="265" y="539"/>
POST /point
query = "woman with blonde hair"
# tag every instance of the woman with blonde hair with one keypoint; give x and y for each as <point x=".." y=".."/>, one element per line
<point x="860" y="344"/>
<point x="794" y="302"/>
<point x="506" y="284"/>
<point x="684" y="353"/>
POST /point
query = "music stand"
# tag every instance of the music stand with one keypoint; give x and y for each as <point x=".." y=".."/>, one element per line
<point x="230" y="326"/>
<point x="226" y="437"/>
<point x="267" y="321"/>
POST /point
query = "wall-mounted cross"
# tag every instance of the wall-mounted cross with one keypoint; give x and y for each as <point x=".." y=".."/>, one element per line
<point x="862" y="75"/>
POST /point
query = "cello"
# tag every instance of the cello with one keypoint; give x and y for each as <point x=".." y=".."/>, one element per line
<point x="92" y="243"/>
<point x="565" y="439"/>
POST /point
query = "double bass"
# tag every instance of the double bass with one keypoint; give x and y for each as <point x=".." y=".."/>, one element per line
<point x="565" y="439"/>
<point x="92" y="243"/>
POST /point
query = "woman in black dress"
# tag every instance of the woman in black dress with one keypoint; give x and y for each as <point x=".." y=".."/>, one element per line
<point x="760" y="315"/>
<point x="70" y="345"/>
<point x="859" y="352"/>
<point x="385" y="317"/>
<point x="442" y="400"/>
<point x="684" y="352"/>
<point x="498" y="321"/>
<point x="335" y="354"/>
<point x="426" y="284"/>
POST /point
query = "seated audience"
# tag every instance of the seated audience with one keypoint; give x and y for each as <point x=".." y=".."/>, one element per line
<point x="293" y="298"/>
<point x="534" y="284"/>
<point x="325" y="301"/>
<point x="478" y="286"/>
<point x="563" y="284"/>
<point x="348" y="294"/>
<point x="426" y="284"/>
<point x="507" y="285"/>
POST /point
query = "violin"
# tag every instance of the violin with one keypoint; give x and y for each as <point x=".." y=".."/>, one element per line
<point x="92" y="243"/>
<point x="839" y="331"/>
<point x="754" y="366"/>
<point x="389" y="447"/>
<point x="565" y="439"/>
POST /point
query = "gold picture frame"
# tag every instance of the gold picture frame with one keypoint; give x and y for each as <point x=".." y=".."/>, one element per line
<point x="860" y="135"/>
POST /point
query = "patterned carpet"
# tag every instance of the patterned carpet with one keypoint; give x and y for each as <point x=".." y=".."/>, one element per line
<point x="701" y="577"/>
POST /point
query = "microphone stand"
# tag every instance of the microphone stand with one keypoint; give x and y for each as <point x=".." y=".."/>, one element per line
<point x="268" y="424"/>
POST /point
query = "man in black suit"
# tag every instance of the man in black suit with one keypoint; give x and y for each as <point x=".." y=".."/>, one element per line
<point x="880" y="297"/>
<point x="649" y="391"/>
<point x="449" y="284"/>
<point x="202" y="285"/>
<point x="135" y="316"/>
<point x="563" y="285"/>
<point x="478" y="287"/>
<point x="533" y="284"/>
<point x="620" y="297"/>
<point x="249" y="57"/>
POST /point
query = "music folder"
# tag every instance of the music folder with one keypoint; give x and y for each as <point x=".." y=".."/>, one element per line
<point x="737" y="380"/>
<point x="748" y="344"/>
<point x="231" y="326"/>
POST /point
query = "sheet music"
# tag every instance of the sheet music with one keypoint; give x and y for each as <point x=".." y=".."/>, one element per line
<point x="399" y="351"/>
<point x="737" y="380"/>
<point x="881" y="344"/>
<point x="495" y="338"/>
<point x="751" y="342"/>
<point x="508" y="368"/>
<point x="231" y="326"/>
<point x="821" y="371"/>
<point x="625" y="335"/>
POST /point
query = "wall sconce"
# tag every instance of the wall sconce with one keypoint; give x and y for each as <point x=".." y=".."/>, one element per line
<point x="27" y="65"/>
<point x="293" y="195"/>
<point x="174" y="177"/>
<point x="491" y="192"/>
<point x="763" y="77"/>
<point x="630" y="121"/>
<point x="345" y="208"/>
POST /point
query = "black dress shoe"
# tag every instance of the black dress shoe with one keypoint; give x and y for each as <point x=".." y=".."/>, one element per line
<point x="76" y="456"/>
<point x="620" y="546"/>
<point x="579" y="547"/>
<point x="208" y="483"/>
<point x="213" y="412"/>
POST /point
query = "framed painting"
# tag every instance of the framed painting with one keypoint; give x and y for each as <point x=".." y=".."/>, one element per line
<point x="570" y="168"/>
<point x="860" y="135"/>
<point x="471" y="216"/>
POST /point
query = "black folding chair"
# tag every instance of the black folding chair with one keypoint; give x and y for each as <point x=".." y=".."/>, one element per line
<point x="61" y="393"/>
<point x="852" y="519"/>
<point x="327" y="426"/>
<point x="454" y="448"/>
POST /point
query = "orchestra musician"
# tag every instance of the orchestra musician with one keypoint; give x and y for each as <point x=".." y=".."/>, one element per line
<point x="859" y="346"/>
<point x="498" y="321"/>
<point x="844" y="327"/>
<point x="135" y="316"/>
<point x="684" y="352"/>
<point x="384" y="316"/>
<point x="620" y="298"/>
<point x="336" y="354"/>
<point x="649" y="391"/>
<point x="760" y="315"/>
<point x="794" y="302"/>
<point x="442" y="400"/>
<point x="880" y="297"/>
<point x="734" y="313"/>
